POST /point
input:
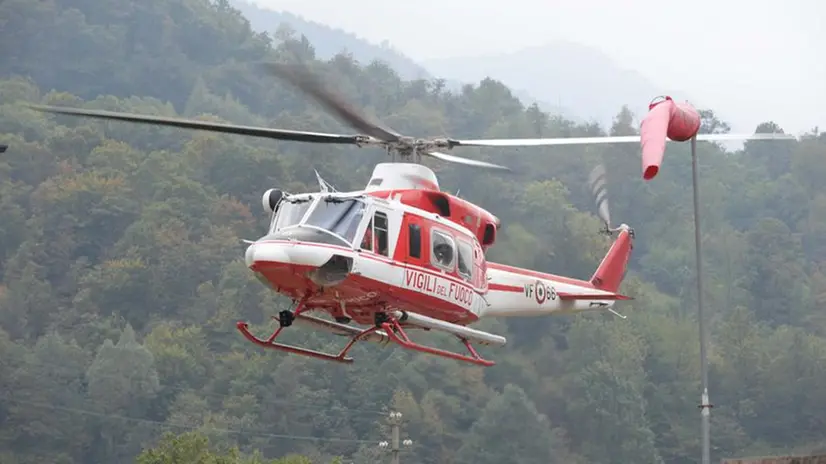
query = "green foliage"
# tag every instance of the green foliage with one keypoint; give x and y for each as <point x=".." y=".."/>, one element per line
<point x="194" y="448"/>
<point x="509" y="428"/>
<point x="122" y="274"/>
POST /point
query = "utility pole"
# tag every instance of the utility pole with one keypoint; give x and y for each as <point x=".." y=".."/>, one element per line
<point x="395" y="441"/>
<point x="705" y="405"/>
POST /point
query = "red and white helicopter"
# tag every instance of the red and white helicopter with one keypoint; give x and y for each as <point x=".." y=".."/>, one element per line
<point x="403" y="254"/>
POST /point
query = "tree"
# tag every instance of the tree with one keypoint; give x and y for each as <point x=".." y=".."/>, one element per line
<point x="711" y="124"/>
<point x="510" y="429"/>
<point x="187" y="448"/>
<point x="774" y="274"/>
<point x="123" y="384"/>
<point x="194" y="448"/>
<point x="606" y="385"/>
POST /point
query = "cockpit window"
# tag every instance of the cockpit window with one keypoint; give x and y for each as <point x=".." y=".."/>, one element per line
<point x="367" y="239"/>
<point x="339" y="216"/>
<point x="443" y="250"/>
<point x="290" y="212"/>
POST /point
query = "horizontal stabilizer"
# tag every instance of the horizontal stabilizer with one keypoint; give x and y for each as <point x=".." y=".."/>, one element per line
<point x="591" y="296"/>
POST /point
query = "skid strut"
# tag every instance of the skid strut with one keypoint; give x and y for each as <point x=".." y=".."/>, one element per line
<point x="285" y="319"/>
<point x="386" y="328"/>
<point x="396" y="332"/>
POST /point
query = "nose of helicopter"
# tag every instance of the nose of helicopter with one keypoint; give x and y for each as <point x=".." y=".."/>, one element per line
<point x="323" y="265"/>
<point x="265" y="252"/>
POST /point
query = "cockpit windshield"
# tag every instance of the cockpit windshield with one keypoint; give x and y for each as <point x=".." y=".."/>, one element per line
<point x="337" y="215"/>
<point x="290" y="212"/>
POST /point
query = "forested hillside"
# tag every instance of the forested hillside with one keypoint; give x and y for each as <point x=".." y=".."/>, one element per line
<point x="582" y="81"/>
<point x="122" y="270"/>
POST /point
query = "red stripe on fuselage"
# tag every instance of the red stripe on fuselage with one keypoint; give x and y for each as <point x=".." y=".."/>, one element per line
<point x="505" y="288"/>
<point x="540" y="275"/>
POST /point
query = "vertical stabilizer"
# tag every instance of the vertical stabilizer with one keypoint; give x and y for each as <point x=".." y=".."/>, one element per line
<point x="611" y="270"/>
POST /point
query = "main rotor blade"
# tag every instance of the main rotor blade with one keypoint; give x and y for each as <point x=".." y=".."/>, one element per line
<point x="465" y="161"/>
<point x="610" y="139"/>
<point x="309" y="83"/>
<point x="279" y="134"/>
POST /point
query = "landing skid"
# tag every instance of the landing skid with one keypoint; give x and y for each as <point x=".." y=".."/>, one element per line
<point x="394" y="329"/>
<point x="387" y="328"/>
<point x="286" y="319"/>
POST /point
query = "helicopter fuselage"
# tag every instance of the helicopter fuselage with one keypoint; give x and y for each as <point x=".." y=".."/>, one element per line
<point x="353" y="255"/>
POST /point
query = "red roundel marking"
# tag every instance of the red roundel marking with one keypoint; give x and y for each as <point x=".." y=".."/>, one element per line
<point x="539" y="291"/>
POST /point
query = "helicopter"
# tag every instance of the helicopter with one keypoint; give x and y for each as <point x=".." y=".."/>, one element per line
<point x="402" y="255"/>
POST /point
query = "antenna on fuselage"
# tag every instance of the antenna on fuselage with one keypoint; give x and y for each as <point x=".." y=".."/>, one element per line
<point x="323" y="184"/>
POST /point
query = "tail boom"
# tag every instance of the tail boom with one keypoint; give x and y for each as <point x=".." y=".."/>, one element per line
<point x="523" y="292"/>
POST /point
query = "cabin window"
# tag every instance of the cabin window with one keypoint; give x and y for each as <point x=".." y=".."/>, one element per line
<point x="443" y="250"/>
<point x="465" y="263"/>
<point x="490" y="234"/>
<point x="290" y="212"/>
<point x="414" y="240"/>
<point x="380" y="229"/>
<point x="376" y="235"/>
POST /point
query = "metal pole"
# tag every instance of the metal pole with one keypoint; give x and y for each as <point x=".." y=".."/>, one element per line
<point x="395" y="443"/>
<point x="705" y="406"/>
<point x="394" y="440"/>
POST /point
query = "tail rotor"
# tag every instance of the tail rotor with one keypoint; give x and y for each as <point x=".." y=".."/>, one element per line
<point x="596" y="181"/>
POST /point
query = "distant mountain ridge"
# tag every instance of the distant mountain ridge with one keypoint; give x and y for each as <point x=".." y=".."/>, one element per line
<point x="329" y="41"/>
<point x="576" y="81"/>
<point x="571" y="75"/>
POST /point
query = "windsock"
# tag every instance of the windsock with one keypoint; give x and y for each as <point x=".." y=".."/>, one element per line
<point x="677" y="121"/>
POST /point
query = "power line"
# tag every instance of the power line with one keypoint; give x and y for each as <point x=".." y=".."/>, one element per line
<point x="338" y="409"/>
<point x="251" y="433"/>
<point x="395" y="446"/>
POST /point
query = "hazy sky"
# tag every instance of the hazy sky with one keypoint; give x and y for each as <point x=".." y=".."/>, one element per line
<point x="752" y="59"/>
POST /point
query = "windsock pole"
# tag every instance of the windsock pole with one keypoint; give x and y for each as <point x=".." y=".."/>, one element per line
<point x="681" y="122"/>
<point x="705" y="406"/>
